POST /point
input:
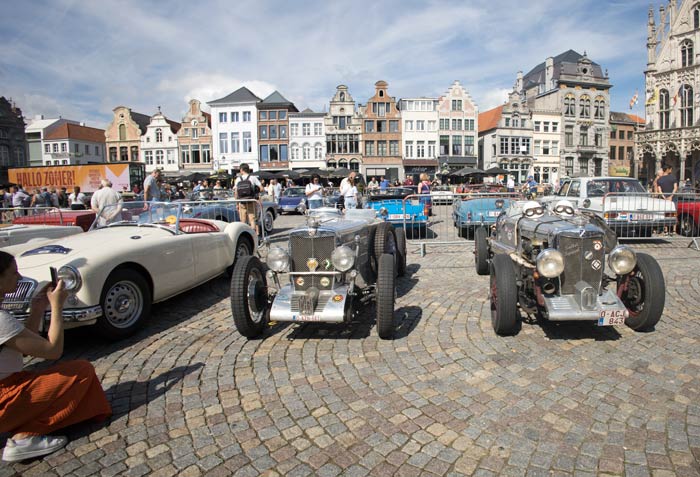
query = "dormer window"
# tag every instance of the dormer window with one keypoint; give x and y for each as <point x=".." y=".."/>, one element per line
<point x="342" y="96"/>
<point x="381" y="93"/>
<point x="686" y="53"/>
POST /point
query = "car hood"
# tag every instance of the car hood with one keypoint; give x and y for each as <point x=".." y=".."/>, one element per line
<point x="291" y="200"/>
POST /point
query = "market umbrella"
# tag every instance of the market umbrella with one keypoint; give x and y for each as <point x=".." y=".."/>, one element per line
<point x="339" y="172"/>
<point x="320" y="172"/>
<point x="292" y="174"/>
<point x="221" y="176"/>
<point x="467" y="171"/>
<point x="195" y="177"/>
<point x="495" y="171"/>
<point x="267" y="175"/>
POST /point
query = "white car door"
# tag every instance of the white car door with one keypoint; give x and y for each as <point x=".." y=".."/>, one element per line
<point x="211" y="254"/>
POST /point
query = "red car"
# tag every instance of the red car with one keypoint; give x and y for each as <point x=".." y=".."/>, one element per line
<point x="688" y="210"/>
<point x="81" y="218"/>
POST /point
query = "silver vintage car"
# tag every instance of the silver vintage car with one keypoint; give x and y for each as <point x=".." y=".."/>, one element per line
<point x="550" y="263"/>
<point x="333" y="264"/>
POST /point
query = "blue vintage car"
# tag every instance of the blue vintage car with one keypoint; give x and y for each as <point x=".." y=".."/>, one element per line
<point x="471" y="212"/>
<point x="291" y="200"/>
<point x="393" y="207"/>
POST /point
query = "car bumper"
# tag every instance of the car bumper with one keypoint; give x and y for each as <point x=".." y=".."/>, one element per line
<point x="330" y="307"/>
<point x="656" y="223"/>
<point x="289" y="208"/>
<point x="72" y="315"/>
<point x="568" y="308"/>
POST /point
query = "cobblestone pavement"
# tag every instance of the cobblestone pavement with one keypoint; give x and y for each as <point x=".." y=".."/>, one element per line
<point x="446" y="397"/>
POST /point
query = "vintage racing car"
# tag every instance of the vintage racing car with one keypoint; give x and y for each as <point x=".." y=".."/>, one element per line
<point x="333" y="264"/>
<point x="400" y="207"/>
<point x="135" y="255"/>
<point x="471" y="211"/>
<point x="550" y="262"/>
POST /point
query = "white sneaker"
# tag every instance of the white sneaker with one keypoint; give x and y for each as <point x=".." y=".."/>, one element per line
<point x="34" y="446"/>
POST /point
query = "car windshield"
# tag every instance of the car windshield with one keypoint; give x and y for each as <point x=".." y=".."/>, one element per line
<point x="293" y="192"/>
<point x="391" y="192"/>
<point x="600" y="187"/>
<point x="139" y="213"/>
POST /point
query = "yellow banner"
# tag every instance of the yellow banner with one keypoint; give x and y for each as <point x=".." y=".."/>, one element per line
<point x="87" y="177"/>
<point x="620" y="171"/>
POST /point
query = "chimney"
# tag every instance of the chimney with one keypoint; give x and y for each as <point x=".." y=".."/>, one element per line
<point x="549" y="74"/>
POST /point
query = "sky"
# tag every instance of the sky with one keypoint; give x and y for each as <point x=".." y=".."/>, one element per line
<point x="80" y="59"/>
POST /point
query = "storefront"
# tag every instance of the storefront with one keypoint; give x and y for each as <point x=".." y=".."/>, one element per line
<point x="413" y="168"/>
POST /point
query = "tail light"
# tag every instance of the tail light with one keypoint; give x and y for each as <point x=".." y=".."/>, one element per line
<point x="610" y="215"/>
<point x="426" y="210"/>
<point x="469" y="216"/>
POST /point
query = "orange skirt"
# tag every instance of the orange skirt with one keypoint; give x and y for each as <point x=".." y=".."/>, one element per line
<point x="38" y="403"/>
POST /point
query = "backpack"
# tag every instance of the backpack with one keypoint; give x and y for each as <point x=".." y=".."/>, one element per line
<point x="245" y="188"/>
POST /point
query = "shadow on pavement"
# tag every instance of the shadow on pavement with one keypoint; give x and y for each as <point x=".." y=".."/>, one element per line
<point x="576" y="330"/>
<point x="410" y="316"/>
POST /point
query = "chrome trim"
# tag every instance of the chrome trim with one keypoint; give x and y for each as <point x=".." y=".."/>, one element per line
<point x="75" y="315"/>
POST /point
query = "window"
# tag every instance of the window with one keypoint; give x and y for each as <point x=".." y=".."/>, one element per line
<point x="223" y="143"/>
<point x="504" y="146"/>
<point x="394" y="148"/>
<point x="444" y="123"/>
<point x="369" y="148"/>
<point x="569" y="136"/>
<point x="264" y="153"/>
<point x="234" y="117"/>
<point x="468" y="145"/>
<point x="206" y="154"/>
<point x="273" y="132"/>
<point x="538" y="147"/>
<point x="246" y="116"/>
<point x="381" y="126"/>
<point x="272" y="115"/>
<point x="546" y="150"/>
<point x="599" y="108"/>
<point x="76" y="148"/>
<point x="318" y="152"/>
<point x="369" y="126"/>
<point x="538" y="124"/>
<point x="381" y="148"/>
<point x="123" y="153"/>
<point x="431" y="149"/>
<point x="381" y="93"/>
<point x="555" y="127"/>
<point x="159" y="135"/>
<point x="456" y="145"/>
<point x="612" y="152"/>
<point x="112" y="154"/>
<point x="223" y="117"/>
<point x="148" y="157"/>
<point x="583" y="136"/>
<point x="630" y="135"/>
<point x="263" y="132"/>
<point x="569" y="106"/>
<point x="469" y="124"/>
<point x="159" y="157"/>
<point x="621" y="152"/>
<point x="630" y="153"/>
<point x="195" y="133"/>
<point x="455" y="128"/>
<point x="171" y="156"/>
<point x="281" y="115"/>
<point x="274" y="152"/>
<point x="380" y="109"/>
<point x="696" y="17"/>
<point x="431" y="126"/>
<point x="283" y="132"/>
<point x="598" y="139"/>
<point x="420" y="125"/>
<point x="545" y="126"/>
<point x="294" y="129"/>
<point x="456" y="105"/>
<point x="524" y="145"/>
<point x="235" y="143"/>
<point x="263" y="115"/>
<point x="408" y="125"/>
<point x="444" y="145"/>
<point x="507" y="122"/>
<point x="583" y="164"/>
<point x="664" y="109"/>
<point x="317" y="129"/>
<point x="185" y="154"/>
<point x="585" y="103"/>
<point x="247" y="143"/>
<point x="306" y="129"/>
<point x="598" y="167"/>
<point x="555" y="148"/>
<point x="686" y="105"/>
<point x="64" y="147"/>
<point x="295" y="153"/>
<point x="516" y="122"/>
<point x="394" y="126"/>
<point x="613" y="134"/>
<point x="409" y="148"/>
<point x="47" y="148"/>
<point x="686" y="53"/>
<point x="54" y="147"/>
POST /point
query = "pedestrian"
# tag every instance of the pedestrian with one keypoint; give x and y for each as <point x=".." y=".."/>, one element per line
<point x="667" y="184"/>
<point x="510" y="184"/>
<point x="76" y="200"/>
<point x="276" y="190"/>
<point x="383" y="184"/>
<point x="34" y="404"/>
<point x="246" y="188"/>
<point x="151" y="188"/>
<point x="105" y="197"/>
<point x="373" y="184"/>
<point x="348" y="190"/>
<point x="62" y="198"/>
<point x="314" y="192"/>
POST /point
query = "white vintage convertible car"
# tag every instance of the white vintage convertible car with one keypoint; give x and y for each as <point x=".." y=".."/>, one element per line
<point x="135" y="254"/>
<point x="15" y="234"/>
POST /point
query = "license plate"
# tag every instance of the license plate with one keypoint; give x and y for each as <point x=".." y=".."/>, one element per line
<point x="306" y="317"/>
<point x="398" y="216"/>
<point x="641" y="216"/>
<point x="494" y="213"/>
<point x="612" y="317"/>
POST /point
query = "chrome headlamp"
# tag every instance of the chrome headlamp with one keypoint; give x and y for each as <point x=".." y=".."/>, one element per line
<point x="343" y="258"/>
<point x="383" y="212"/>
<point x="278" y="259"/>
<point x="70" y="276"/>
<point x="550" y="263"/>
<point x="622" y="260"/>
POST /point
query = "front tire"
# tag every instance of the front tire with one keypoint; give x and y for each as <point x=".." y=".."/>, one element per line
<point x="645" y="295"/>
<point x="504" y="296"/>
<point x="687" y="226"/>
<point x="384" y="241"/>
<point x="126" y="304"/>
<point x="249" y="304"/>
<point x="386" y="296"/>
<point x="481" y="251"/>
<point x="401" y="251"/>
<point x="268" y="221"/>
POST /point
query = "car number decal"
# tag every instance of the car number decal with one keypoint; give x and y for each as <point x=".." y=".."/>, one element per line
<point x="47" y="249"/>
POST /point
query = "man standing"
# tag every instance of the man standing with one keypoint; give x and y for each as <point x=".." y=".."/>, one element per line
<point x="384" y="184"/>
<point x="276" y="190"/>
<point x="105" y="197"/>
<point x="247" y="187"/>
<point x="510" y="184"/>
<point x="19" y="199"/>
<point x="151" y="189"/>
<point x="373" y="184"/>
<point x="667" y="184"/>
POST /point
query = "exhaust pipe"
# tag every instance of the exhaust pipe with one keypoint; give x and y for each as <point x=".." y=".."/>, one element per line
<point x="549" y="288"/>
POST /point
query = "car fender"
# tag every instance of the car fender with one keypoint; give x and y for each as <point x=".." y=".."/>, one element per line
<point x="235" y="230"/>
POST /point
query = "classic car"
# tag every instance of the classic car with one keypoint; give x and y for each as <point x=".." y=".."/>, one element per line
<point x="333" y="266"/>
<point x="550" y="262"/>
<point x="688" y="208"/>
<point x="12" y="234"/>
<point x="442" y="195"/>
<point x="225" y="209"/>
<point x="55" y="216"/>
<point x="291" y="198"/>
<point x="400" y="207"/>
<point x="622" y="201"/>
<point x="471" y="211"/>
<point x="136" y="254"/>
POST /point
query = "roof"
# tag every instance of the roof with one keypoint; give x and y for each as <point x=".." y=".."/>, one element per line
<point x="39" y="125"/>
<point x="636" y="119"/>
<point x="489" y="119"/>
<point x="616" y="117"/>
<point x="77" y="132"/>
<point x="241" y="95"/>
<point x="174" y="126"/>
<point x="207" y="116"/>
<point x="564" y="63"/>
<point x="276" y="100"/>
<point x="143" y="120"/>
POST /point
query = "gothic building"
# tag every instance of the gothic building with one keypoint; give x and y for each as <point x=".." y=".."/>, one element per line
<point x="13" y="146"/>
<point x="672" y="133"/>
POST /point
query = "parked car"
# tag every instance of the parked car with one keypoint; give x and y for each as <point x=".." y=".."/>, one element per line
<point x="333" y="265"/>
<point x="135" y="255"/>
<point x="291" y="199"/>
<point x="470" y="212"/>
<point x="622" y="201"/>
<point x="54" y="216"/>
<point x="688" y="208"/>
<point x="393" y="206"/>
<point x="551" y="264"/>
<point x="11" y="234"/>
<point x="226" y="210"/>
<point x="442" y="195"/>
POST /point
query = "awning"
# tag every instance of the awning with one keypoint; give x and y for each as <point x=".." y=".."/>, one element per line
<point x="458" y="160"/>
<point x="420" y="163"/>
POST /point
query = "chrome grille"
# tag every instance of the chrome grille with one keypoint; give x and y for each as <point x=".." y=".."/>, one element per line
<point x="322" y="301"/>
<point x="19" y="299"/>
<point x="305" y="246"/>
<point x="582" y="262"/>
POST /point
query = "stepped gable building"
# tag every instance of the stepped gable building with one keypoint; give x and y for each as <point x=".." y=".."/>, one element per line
<point x="623" y="128"/>
<point x="67" y="143"/>
<point x="672" y="132"/>
<point x="458" y="129"/>
<point x="13" y="145"/>
<point x="159" y="144"/>
<point x="273" y="131"/>
<point x="234" y="127"/>
<point x="307" y="140"/>
<point x="194" y="139"/>
<point x="123" y="135"/>
<point x="420" y="136"/>
<point x="381" y="135"/>
<point x="343" y="127"/>
<point x="578" y="89"/>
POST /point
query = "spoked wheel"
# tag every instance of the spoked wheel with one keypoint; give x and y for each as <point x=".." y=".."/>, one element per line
<point x="126" y="303"/>
<point x="244" y="248"/>
<point x="481" y="251"/>
<point x="268" y="221"/>
<point x="401" y="250"/>
<point x="249" y="301"/>
<point x="643" y="291"/>
<point x="504" y="295"/>
<point x="386" y="296"/>
<point x="687" y="226"/>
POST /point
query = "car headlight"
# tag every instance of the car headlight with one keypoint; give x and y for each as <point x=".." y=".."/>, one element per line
<point x="622" y="260"/>
<point x="499" y="203"/>
<point x="383" y="212"/>
<point x="72" y="281"/>
<point x="550" y="263"/>
<point x="343" y="258"/>
<point x="278" y="259"/>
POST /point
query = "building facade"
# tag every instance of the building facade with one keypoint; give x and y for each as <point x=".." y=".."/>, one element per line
<point x="576" y="87"/>
<point x="623" y="128"/>
<point x="672" y="132"/>
<point x="419" y="139"/>
<point x="307" y="140"/>
<point x="273" y="131"/>
<point x="381" y="135"/>
<point x="234" y="127"/>
<point x="546" y="135"/>
<point x="13" y="145"/>
<point x="343" y="127"/>
<point x="123" y="135"/>
<point x="159" y="148"/>
<point x="35" y="131"/>
<point x="72" y="144"/>
<point x="194" y="139"/>
<point x="458" y="126"/>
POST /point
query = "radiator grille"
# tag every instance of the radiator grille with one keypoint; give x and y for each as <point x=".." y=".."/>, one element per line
<point x="303" y="247"/>
<point x="19" y="299"/>
<point x="320" y="306"/>
<point x="581" y="260"/>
